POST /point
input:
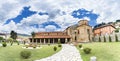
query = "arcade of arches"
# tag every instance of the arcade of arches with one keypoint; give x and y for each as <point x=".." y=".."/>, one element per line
<point x="50" y="37"/>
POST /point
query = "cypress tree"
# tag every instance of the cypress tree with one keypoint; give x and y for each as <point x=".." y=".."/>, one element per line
<point x="116" y="37"/>
<point x="99" y="39"/>
<point x="104" y="39"/>
<point x="110" y="40"/>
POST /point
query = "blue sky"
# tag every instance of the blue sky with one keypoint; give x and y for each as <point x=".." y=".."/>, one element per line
<point x="82" y="13"/>
<point x="25" y="16"/>
<point x="24" y="13"/>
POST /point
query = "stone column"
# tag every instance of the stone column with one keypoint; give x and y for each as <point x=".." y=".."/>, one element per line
<point x="36" y="40"/>
<point x="44" y="41"/>
<point x="48" y="40"/>
<point x="40" y="41"/>
<point x="66" y="40"/>
<point x="58" y="40"/>
<point x="53" y="40"/>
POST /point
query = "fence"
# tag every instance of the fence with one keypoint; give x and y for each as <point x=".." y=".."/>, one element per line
<point x="114" y="37"/>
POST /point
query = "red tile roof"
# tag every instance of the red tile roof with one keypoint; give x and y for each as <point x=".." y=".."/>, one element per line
<point x="51" y="35"/>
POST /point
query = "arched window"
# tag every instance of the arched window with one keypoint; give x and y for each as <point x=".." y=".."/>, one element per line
<point x="78" y="31"/>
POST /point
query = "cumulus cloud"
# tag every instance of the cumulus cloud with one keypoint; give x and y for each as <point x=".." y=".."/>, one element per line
<point x="58" y="11"/>
<point x="50" y="28"/>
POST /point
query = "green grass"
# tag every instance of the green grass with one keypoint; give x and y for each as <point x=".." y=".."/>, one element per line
<point x="103" y="51"/>
<point x="12" y="53"/>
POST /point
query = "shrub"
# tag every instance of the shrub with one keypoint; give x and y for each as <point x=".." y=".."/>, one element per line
<point x="11" y="43"/>
<point x="25" y="54"/>
<point x="38" y="45"/>
<point x="116" y="38"/>
<point x="1" y="39"/>
<point x="34" y="46"/>
<point x="110" y="40"/>
<point x="80" y="46"/>
<point x="87" y="50"/>
<point x="26" y="46"/>
<point x="59" y="45"/>
<point x="104" y="39"/>
<point x="18" y="43"/>
<point x="48" y="44"/>
<point x="99" y="39"/>
<point x="117" y="30"/>
<point x="55" y="48"/>
<point x="4" y="44"/>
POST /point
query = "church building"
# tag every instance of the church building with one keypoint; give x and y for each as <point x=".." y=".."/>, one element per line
<point x="81" y="32"/>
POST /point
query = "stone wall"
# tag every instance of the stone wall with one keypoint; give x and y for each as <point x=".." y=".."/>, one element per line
<point x="113" y="38"/>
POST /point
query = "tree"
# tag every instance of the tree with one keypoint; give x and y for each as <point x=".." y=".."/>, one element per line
<point x="117" y="30"/>
<point x="99" y="39"/>
<point x="13" y="35"/>
<point x="1" y="39"/>
<point x="116" y="38"/>
<point x="118" y="20"/>
<point x="33" y="35"/>
<point x="104" y="39"/>
<point x="10" y="39"/>
<point x="110" y="40"/>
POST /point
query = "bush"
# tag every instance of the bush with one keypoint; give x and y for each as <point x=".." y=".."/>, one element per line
<point x="110" y="40"/>
<point x="34" y="46"/>
<point x="116" y="38"/>
<point x="87" y="50"/>
<point x="18" y="43"/>
<point x="99" y="39"/>
<point x="80" y="46"/>
<point x="4" y="44"/>
<point x="1" y="39"/>
<point x="55" y="48"/>
<point x="25" y="54"/>
<point x="104" y="39"/>
<point x="117" y="30"/>
<point x="11" y="43"/>
<point x="26" y="46"/>
<point x="48" y="44"/>
<point x="59" y="45"/>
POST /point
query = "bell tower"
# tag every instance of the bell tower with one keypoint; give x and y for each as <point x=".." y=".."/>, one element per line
<point x="83" y="22"/>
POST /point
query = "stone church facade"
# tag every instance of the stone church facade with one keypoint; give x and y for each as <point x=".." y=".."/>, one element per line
<point x="81" y="32"/>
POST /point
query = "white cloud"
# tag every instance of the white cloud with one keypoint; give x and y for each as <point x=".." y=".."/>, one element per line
<point x="50" y="28"/>
<point x="34" y="19"/>
<point x="107" y="9"/>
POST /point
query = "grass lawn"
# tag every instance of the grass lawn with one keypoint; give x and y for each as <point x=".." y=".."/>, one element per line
<point x="12" y="53"/>
<point x="103" y="51"/>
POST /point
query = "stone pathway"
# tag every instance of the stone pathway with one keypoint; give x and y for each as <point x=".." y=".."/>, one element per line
<point x="68" y="53"/>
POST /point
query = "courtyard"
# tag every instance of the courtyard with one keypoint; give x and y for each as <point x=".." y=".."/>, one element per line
<point x="104" y="51"/>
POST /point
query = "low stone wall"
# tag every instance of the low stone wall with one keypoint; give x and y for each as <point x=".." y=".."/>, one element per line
<point x="113" y="37"/>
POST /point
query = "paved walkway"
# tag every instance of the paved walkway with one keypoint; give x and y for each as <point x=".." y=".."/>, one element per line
<point x="68" y="53"/>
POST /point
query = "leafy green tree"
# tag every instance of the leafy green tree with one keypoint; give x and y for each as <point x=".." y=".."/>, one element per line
<point x="33" y="35"/>
<point x="117" y="30"/>
<point x="116" y="38"/>
<point x="13" y="35"/>
<point x="104" y="39"/>
<point x="110" y="40"/>
<point x="118" y="20"/>
<point x="1" y="39"/>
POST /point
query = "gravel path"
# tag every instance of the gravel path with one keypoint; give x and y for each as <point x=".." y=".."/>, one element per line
<point x="68" y="53"/>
